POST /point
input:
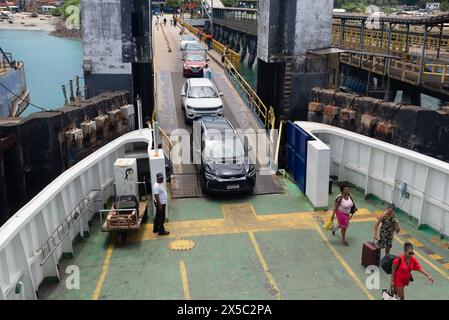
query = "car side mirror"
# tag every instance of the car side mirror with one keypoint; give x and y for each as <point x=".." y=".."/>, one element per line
<point x="207" y="59"/>
<point x="221" y="94"/>
<point x="183" y="94"/>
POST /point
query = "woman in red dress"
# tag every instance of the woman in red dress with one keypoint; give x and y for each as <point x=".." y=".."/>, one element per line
<point x="403" y="266"/>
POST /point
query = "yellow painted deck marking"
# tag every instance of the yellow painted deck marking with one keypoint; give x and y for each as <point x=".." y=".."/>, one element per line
<point x="265" y="266"/>
<point x="427" y="261"/>
<point x="415" y="243"/>
<point x="344" y="264"/>
<point x="185" y="281"/>
<point x="435" y="257"/>
<point x="238" y="218"/>
<point x="439" y="242"/>
<point x="446" y="266"/>
<point x="104" y="271"/>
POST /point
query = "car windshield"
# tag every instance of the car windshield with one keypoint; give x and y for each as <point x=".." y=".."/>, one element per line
<point x="194" y="47"/>
<point x="228" y="148"/>
<point x="202" y="92"/>
<point x="188" y="38"/>
<point x="195" y="57"/>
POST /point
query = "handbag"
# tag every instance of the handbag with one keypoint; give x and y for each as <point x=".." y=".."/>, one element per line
<point x="328" y="225"/>
<point x="389" y="295"/>
<point x="353" y="208"/>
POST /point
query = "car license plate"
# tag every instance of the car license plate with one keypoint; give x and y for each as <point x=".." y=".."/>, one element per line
<point x="233" y="187"/>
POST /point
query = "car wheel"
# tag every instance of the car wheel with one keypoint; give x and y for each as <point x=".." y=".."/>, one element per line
<point x="187" y="120"/>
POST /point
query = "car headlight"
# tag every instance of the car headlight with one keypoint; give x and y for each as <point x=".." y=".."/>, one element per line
<point x="189" y="107"/>
<point x="251" y="171"/>
<point x="209" y="176"/>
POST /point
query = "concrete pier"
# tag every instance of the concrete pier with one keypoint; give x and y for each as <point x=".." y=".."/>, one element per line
<point x="289" y="32"/>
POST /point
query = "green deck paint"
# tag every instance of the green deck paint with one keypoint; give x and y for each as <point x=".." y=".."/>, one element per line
<point x="227" y="266"/>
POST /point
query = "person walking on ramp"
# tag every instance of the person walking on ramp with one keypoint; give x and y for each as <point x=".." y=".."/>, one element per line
<point x="389" y="225"/>
<point x="344" y="209"/>
<point x="403" y="266"/>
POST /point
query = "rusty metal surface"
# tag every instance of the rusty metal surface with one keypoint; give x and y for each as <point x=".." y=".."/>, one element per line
<point x="185" y="186"/>
<point x="267" y="184"/>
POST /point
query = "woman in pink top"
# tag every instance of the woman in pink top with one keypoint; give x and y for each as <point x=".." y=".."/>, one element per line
<point x="343" y="209"/>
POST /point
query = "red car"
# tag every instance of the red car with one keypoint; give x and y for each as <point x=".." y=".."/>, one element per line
<point x="194" y="63"/>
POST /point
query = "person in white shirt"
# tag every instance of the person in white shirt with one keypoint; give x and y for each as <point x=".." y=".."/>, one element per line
<point x="207" y="73"/>
<point x="344" y="209"/>
<point x="160" y="202"/>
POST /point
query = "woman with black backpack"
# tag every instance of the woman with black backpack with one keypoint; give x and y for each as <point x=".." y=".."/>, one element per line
<point x="403" y="266"/>
<point x="344" y="209"/>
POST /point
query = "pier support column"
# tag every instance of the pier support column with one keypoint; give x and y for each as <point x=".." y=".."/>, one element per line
<point x="244" y="48"/>
<point x="252" y="53"/>
<point x="412" y="97"/>
<point x="289" y="31"/>
<point x="237" y="42"/>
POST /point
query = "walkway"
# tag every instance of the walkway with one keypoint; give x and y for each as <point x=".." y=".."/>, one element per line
<point x="169" y="81"/>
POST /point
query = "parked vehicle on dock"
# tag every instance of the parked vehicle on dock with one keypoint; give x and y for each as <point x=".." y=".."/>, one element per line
<point x="185" y="39"/>
<point x="194" y="47"/>
<point x="225" y="166"/>
<point x="194" y="64"/>
<point x="200" y="97"/>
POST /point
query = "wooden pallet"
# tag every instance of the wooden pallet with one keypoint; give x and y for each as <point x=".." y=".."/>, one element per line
<point x="116" y="221"/>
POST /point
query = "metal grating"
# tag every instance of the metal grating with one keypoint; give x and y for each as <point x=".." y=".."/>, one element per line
<point x="188" y="186"/>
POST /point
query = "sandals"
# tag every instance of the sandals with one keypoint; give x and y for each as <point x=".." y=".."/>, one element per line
<point x="346" y="243"/>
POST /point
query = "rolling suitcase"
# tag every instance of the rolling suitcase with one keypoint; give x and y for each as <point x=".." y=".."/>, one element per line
<point x="370" y="254"/>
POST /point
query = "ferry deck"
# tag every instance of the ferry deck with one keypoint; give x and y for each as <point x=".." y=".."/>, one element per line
<point x="265" y="246"/>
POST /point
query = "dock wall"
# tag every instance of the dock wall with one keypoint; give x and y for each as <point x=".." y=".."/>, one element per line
<point x="415" y="128"/>
<point x="47" y="143"/>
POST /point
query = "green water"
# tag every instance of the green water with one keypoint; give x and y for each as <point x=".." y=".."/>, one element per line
<point x="49" y="61"/>
<point x="250" y="75"/>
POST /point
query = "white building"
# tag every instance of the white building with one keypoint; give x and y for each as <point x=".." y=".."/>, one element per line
<point x="47" y="9"/>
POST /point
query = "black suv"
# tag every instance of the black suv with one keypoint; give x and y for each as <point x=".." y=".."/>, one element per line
<point x="221" y="158"/>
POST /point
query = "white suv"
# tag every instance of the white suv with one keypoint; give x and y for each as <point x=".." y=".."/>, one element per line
<point x="200" y="97"/>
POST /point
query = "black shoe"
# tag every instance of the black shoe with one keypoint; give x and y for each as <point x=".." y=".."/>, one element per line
<point x="164" y="233"/>
<point x="155" y="231"/>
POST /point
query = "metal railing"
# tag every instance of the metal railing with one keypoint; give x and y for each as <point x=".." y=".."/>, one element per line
<point x="255" y="102"/>
<point x="29" y="226"/>
<point x="407" y="71"/>
<point x="63" y="229"/>
<point x="377" y="41"/>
